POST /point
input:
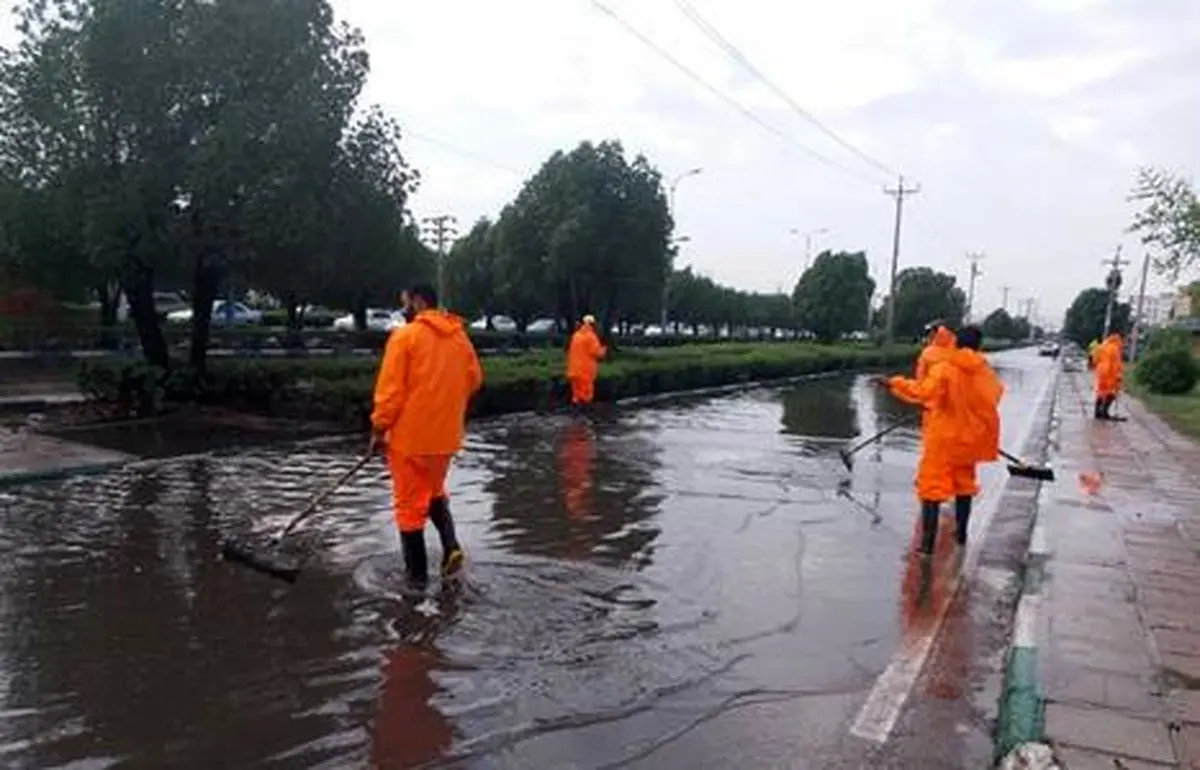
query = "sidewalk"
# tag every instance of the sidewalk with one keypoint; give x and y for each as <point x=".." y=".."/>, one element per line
<point x="1119" y="657"/>
<point x="28" y="457"/>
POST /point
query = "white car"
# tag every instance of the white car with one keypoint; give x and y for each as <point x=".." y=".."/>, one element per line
<point x="241" y="315"/>
<point x="378" y="320"/>
<point x="500" y="323"/>
<point x="541" y="326"/>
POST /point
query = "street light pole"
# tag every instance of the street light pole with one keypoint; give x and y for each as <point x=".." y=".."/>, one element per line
<point x="671" y="210"/>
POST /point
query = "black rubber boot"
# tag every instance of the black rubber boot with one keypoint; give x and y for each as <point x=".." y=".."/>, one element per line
<point x="962" y="518"/>
<point x="1099" y="408"/>
<point x="452" y="554"/>
<point x="1108" y="405"/>
<point x="416" y="560"/>
<point x="930" y="511"/>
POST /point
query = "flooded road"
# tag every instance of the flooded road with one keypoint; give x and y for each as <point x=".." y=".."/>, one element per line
<point x="680" y="585"/>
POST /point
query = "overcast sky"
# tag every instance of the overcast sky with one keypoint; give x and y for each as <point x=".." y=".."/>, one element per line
<point x="1023" y="121"/>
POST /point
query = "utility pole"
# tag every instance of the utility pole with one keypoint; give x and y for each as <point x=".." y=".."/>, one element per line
<point x="1112" y="282"/>
<point x="898" y="193"/>
<point x="682" y="239"/>
<point x="1004" y="290"/>
<point x="441" y="229"/>
<point x="1137" y="319"/>
<point x="974" y="259"/>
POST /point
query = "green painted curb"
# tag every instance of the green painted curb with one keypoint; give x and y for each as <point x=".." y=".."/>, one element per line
<point x="1022" y="708"/>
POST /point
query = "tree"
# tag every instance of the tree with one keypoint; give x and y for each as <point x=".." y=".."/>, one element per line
<point x="999" y="325"/>
<point x="832" y="297"/>
<point x="923" y="295"/>
<point x="471" y="272"/>
<point x="589" y="232"/>
<point x="1169" y="221"/>
<point x="1084" y="321"/>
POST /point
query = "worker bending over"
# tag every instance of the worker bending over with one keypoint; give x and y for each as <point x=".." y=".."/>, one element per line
<point x="428" y="375"/>
<point x="961" y="428"/>
<point x="583" y="362"/>
<point x="1108" y="365"/>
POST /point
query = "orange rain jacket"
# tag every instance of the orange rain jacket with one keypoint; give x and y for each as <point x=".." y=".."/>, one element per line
<point x="936" y="351"/>
<point x="961" y="396"/>
<point x="1109" y="365"/>
<point x="428" y="375"/>
<point x="584" y="354"/>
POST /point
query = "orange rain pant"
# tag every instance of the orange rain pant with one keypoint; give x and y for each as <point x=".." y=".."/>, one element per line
<point x="416" y="480"/>
<point x="583" y="390"/>
<point x="939" y="479"/>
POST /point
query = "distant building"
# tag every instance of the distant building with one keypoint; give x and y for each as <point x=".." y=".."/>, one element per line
<point x="1185" y="301"/>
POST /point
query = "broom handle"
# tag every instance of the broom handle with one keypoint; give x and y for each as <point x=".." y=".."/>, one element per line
<point x="316" y="503"/>
<point x="876" y="437"/>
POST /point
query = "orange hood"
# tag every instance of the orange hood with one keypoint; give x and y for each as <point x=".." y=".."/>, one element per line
<point x="967" y="360"/>
<point x="943" y="338"/>
<point x="1114" y="339"/>
<point x="442" y="323"/>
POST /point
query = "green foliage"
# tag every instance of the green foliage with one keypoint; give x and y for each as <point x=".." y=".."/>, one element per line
<point x="471" y="272"/>
<point x="923" y="295"/>
<point x="1084" y="321"/>
<point x="1169" y="370"/>
<point x="588" y="233"/>
<point x="833" y="296"/>
<point x="999" y="325"/>
<point x="1168" y="339"/>
<point x="1169" y="221"/>
<point x="341" y="389"/>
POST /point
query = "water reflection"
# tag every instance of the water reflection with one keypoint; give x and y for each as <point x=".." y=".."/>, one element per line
<point x="575" y="487"/>
<point x="139" y="634"/>
<point x="823" y="408"/>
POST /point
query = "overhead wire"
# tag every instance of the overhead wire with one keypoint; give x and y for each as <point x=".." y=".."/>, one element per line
<point x="713" y="34"/>
<point x="742" y="109"/>
<point x="458" y="150"/>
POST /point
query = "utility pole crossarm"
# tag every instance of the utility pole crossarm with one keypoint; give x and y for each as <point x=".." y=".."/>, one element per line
<point x="441" y="228"/>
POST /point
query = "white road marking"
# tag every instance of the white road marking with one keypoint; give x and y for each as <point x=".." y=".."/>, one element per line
<point x="879" y="713"/>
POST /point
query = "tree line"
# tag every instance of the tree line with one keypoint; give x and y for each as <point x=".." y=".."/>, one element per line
<point x="219" y="146"/>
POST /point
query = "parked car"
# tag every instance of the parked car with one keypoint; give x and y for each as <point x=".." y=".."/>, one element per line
<point x="541" y="326"/>
<point x="241" y="315"/>
<point x="500" y="323"/>
<point x="378" y="320"/>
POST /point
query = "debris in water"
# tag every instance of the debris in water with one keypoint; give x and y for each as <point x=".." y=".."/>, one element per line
<point x="1030" y="756"/>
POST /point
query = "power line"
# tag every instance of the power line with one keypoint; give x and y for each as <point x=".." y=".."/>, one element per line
<point x="747" y="113"/>
<point x="713" y="34"/>
<point x="458" y="151"/>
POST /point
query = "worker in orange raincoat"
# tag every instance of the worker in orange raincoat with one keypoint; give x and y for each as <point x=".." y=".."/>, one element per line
<point x="426" y="379"/>
<point x="961" y="396"/>
<point x="583" y="362"/>
<point x="1108" y="365"/>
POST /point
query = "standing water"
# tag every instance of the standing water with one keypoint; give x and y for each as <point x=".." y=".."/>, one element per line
<point x="638" y="586"/>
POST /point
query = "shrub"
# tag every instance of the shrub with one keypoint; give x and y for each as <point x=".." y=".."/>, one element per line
<point x="1169" y="370"/>
<point x="340" y="388"/>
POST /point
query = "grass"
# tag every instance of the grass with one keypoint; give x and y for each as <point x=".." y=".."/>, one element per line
<point x="1180" y="412"/>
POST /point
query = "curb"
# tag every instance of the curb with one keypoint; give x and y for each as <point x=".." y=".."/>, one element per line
<point x="1021" y="720"/>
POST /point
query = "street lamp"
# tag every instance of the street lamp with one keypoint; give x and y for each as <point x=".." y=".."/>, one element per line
<point x="681" y="239"/>
<point x="808" y="242"/>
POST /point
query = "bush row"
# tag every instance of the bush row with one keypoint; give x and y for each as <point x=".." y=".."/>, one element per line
<point x="1169" y="366"/>
<point x="340" y="389"/>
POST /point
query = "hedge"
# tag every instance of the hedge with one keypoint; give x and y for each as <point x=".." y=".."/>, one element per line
<point x="340" y="389"/>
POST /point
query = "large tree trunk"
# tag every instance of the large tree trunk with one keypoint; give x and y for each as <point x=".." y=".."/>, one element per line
<point x="139" y="289"/>
<point x="206" y="282"/>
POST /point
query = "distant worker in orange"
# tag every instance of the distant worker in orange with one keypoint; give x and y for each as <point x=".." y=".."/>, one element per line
<point x="583" y="362"/>
<point x="961" y="396"/>
<point x="938" y="346"/>
<point x="1109" y="368"/>
<point x="428" y="375"/>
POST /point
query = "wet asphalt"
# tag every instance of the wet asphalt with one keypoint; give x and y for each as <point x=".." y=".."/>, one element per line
<point x="697" y="583"/>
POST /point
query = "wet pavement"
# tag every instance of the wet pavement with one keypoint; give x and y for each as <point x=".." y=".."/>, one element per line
<point x="686" y="586"/>
<point x="1121" y="668"/>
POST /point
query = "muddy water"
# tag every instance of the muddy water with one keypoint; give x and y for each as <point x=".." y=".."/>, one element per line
<point x="635" y="582"/>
